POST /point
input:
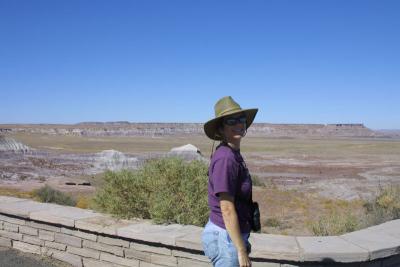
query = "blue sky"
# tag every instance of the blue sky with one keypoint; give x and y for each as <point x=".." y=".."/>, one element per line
<point x="69" y="61"/>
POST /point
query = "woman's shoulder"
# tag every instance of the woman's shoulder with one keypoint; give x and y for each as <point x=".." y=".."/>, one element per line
<point x="223" y="152"/>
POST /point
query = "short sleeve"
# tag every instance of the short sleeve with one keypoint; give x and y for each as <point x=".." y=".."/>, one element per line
<point x="224" y="176"/>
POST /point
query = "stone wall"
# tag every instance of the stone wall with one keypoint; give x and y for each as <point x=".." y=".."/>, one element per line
<point x="86" y="238"/>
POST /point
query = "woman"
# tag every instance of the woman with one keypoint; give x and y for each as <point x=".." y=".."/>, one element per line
<point x="225" y="237"/>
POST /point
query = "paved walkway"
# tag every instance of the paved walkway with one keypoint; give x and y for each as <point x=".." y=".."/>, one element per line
<point x="13" y="258"/>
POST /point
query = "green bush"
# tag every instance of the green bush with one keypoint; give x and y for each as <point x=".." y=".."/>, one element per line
<point x="167" y="190"/>
<point x="50" y="195"/>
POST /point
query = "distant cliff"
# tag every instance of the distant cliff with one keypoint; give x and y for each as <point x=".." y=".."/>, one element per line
<point x="164" y="129"/>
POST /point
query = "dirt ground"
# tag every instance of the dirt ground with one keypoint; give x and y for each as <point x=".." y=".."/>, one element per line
<point x="301" y="177"/>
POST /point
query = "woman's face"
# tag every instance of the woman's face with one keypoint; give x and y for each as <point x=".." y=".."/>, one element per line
<point x="234" y="128"/>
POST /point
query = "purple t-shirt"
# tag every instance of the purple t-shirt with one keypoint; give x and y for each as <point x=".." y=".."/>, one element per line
<point x="228" y="173"/>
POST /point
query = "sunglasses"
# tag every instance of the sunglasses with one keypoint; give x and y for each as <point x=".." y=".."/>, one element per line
<point x="233" y="121"/>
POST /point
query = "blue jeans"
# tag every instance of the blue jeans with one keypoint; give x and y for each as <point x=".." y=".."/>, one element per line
<point x="219" y="248"/>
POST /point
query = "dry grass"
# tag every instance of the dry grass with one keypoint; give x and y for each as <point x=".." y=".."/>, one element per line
<point x="11" y="192"/>
<point x="291" y="212"/>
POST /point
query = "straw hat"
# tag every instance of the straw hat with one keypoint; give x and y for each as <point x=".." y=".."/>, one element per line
<point x="224" y="107"/>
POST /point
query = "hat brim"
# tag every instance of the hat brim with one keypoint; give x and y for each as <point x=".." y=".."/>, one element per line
<point x="210" y="127"/>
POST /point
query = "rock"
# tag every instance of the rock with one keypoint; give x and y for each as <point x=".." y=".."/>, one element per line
<point x="187" y="152"/>
<point x="114" y="160"/>
<point x="9" y="144"/>
<point x="186" y="148"/>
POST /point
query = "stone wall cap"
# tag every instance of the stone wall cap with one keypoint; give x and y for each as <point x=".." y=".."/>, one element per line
<point x="330" y="248"/>
<point x="103" y="223"/>
<point x="6" y="199"/>
<point x="62" y="215"/>
<point x="192" y="238"/>
<point x="146" y="231"/>
<point x="378" y="243"/>
<point x="25" y="207"/>
<point x="278" y="247"/>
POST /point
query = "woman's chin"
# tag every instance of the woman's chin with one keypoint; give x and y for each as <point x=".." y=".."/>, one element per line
<point x="237" y="136"/>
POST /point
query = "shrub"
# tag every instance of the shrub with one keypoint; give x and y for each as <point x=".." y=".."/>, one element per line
<point x="82" y="202"/>
<point x="385" y="207"/>
<point x="256" y="180"/>
<point x="125" y="194"/>
<point x="389" y="199"/>
<point x="273" y="222"/>
<point x="335" y="223"/>
<point x="167" y="190"/>
<point x="50" y="195"/>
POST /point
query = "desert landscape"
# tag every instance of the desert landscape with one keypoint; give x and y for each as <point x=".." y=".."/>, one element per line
<point x="300" y="171"/>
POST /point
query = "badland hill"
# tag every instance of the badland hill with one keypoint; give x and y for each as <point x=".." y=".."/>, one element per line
<point x="165" y="129"/>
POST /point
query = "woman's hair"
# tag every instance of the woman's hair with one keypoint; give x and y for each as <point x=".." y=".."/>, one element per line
<point x="220" y="129"/>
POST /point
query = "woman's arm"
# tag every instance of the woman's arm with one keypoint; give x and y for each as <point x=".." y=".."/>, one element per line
<point x="232" y="226"/>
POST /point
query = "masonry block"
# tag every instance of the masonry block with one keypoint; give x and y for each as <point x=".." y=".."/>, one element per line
<point x="136" y="254"/>
<point x="44" y="226"/>
<point x="27" y="230"/>
<point x="164" y="260"/>
<point x="46" y="235"/>
<point x="25" y="247"/>
<point x="148" y="264"/>
<point x="153" y="249"/>
<point x="32" y="240"/>
<point x="113" y="241"/>
<point x="84" y="252"/>
<point x="266" y="264"/>
<point x="10" y="227"/>
<point x="72" y="259"/>
<point x="118" y="260"/>
<point x="5" y="242"/>
<point x="80" y="234"/>
<point x="67" y="239"/>
<point x="119" y="251"/>
<point x="55" y="245"/>
<point x="182" y="262"/>
<point x="182" y="254"/>
<point x="12" y="220"/>
<point x="95" y="263"/>
<point x="11" y="235"/>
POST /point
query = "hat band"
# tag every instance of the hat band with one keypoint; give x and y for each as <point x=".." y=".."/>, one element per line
<point x="229" y="110"/>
